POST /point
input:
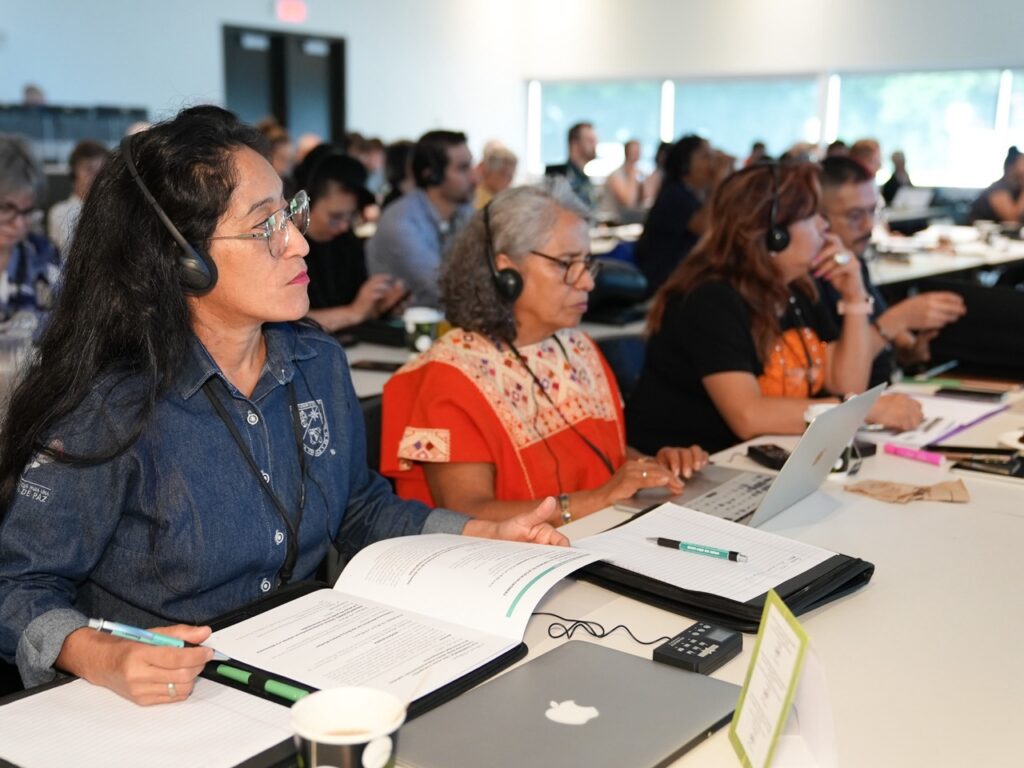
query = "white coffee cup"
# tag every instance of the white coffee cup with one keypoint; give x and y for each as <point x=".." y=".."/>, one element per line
<point x="350" y="726"/>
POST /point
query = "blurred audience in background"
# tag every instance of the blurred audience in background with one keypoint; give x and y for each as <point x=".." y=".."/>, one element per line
<point x="495" y="172"/>
<point x="415" y="230"/>
<point x="85" y="162"/>
<point x="899" y="178"/>
<point x="398" y="170"/>
<point x="868" y="153"/>
<point x="1003" y="200"/>
<point x="624" y="188"/>
<point x="582" y="141"/>
<point x="679" y="215"/>
<point x="29" y="266"/>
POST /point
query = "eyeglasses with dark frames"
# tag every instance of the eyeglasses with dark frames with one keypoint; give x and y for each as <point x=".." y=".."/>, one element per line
<point x="275" y="227"/>
<point x="574" y="268"/>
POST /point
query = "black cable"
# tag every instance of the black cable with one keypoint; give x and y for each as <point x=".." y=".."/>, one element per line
<point x="593" y="628"/>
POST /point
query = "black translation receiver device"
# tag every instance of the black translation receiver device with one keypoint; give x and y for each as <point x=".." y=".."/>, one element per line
<point x="768" y="455"/>
<point x="702" y="648"/>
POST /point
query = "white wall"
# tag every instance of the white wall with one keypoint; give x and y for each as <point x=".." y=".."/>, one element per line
<point x="419" y="64"/>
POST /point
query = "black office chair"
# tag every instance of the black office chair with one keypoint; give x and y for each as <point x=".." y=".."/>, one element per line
<point x="625" y="354"/>
<point x="10" y="680"/>
<point x="372" y="415"/>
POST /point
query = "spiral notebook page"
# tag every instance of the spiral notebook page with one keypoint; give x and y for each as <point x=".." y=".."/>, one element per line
<point x="771" y="559"/>
<point x="83" y="725"/>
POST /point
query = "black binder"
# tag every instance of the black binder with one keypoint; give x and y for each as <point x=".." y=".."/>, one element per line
<point x="838" y="576"/>
<point x="283" y="754"/>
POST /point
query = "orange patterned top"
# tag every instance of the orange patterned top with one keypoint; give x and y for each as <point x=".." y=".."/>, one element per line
<point x="468" y="399"/>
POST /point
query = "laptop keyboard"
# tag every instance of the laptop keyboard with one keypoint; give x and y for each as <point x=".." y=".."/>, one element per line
<point x="736" y="498"/>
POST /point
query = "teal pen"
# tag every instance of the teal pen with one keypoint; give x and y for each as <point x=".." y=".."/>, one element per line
<point x="700" y="549"/>
<point x="145" y="636"/>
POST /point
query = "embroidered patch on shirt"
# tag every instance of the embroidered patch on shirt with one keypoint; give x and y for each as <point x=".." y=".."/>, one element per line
<point x="316" y="437"/>
<point x="432" y="445"/>
<point x="34" y="491"/>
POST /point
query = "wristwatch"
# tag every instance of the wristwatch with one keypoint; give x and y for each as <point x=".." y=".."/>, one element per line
<point x="864" y="307"/>
<point x="563" y="502"/>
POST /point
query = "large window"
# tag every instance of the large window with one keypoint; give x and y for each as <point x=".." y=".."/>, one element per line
<point x="619" y="111"/>
<point x="734" y="114"/>
<point x="1016" y="123"/>
<point x="944" y="122"/>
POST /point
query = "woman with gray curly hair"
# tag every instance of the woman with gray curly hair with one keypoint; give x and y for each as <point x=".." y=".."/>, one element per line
<point x="515" y="403"/>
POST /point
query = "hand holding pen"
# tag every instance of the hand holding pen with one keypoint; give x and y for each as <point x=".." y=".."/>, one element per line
<point x="142" y="673"/>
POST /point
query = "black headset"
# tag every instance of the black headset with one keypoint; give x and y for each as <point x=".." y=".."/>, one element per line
<point x="507" y="282"/>
<point x="777" y="237"/>
<point x="197" y="272"/>
<point x="429" y="163"/>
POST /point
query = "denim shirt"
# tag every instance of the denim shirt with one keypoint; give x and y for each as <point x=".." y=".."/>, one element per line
<point x="177" y="528"/>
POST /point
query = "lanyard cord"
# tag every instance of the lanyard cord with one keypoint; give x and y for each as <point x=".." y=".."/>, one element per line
<point x="808" y="373"/>
<point x="522" y="361"/>
<point x="291" y="555"/>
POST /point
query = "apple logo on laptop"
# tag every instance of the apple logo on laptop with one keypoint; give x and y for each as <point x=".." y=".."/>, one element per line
<point x="570" y="713"/>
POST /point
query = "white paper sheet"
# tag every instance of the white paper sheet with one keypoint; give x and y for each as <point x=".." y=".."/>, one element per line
<point x="87" y="726"/>
<point x="771" y="559"/>
<point x="942" y="417"/>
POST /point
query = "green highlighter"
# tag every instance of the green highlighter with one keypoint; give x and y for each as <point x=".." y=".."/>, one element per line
<point x="274" y="687"/>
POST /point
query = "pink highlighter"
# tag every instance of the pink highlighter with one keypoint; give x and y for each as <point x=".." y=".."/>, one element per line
<point x="913" y="453"/>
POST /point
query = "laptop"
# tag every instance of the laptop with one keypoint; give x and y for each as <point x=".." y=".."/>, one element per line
<point x="755" y="497"/>
<point x="580" y="704"/>
<point x="912" y="198"/>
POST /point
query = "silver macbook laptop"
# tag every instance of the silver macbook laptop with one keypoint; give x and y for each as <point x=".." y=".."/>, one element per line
<point x="579" y="705"/>
<point x="754" y="497"/>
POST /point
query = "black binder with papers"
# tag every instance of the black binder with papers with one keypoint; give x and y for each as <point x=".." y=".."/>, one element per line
<point x="829" y="580"/>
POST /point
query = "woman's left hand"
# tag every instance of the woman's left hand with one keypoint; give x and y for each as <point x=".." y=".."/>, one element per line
<point x="532" y="527"/>
<point x="682" y="462"/>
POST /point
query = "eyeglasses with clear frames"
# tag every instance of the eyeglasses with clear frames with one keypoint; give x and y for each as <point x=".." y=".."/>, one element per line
<point x="574" y="268"/>
<point x="9" y="212"/>
<point x="275" y="226"/>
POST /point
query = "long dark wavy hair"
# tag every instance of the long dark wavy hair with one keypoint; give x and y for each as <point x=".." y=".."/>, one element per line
<point x="120" y="311"/>
<point x="734" y="249"/>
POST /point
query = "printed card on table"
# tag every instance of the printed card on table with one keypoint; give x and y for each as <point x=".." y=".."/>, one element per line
<point x="783" y="716"/>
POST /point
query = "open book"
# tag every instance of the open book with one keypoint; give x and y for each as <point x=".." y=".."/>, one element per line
<point x="408" y="615"/>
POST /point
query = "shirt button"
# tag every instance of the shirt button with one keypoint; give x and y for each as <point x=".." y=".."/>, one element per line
<point x="265" y="585"/>
<point x="265" y="476"/>
<point x="278" y="537"/>
<point x="253" y="419"/>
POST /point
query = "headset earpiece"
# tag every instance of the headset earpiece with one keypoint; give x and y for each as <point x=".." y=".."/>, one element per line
<point x="777" y="237"/>
<point x="507" y="282"/>
<point x="197" y="273"/>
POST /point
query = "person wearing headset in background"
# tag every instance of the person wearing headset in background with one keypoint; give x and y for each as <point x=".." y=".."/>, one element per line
<point x="181" y="445"/>
<point x="740" y="343"/>
<point x="415" y="230"/>
<point x="515" y="403"/>
<point x="341" y="294"/>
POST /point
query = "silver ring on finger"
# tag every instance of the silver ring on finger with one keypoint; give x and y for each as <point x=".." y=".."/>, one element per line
<point x="172" y="691"/>
<point x="644" y="474"/>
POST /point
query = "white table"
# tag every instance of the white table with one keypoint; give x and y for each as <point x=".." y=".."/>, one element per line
<point x="923" y="263"/>
<point x="924" y="663"/>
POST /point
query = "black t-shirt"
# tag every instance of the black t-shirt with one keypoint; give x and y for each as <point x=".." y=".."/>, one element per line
<point x="667" y="239"/>
<point x="705" y="332"/>
<point x="337" y="270"/>
<point x="981" y="208"/>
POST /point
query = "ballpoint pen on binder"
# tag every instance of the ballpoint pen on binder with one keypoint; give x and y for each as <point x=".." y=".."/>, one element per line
<point x="145" y="636"/>
<point x="699" y="549"/>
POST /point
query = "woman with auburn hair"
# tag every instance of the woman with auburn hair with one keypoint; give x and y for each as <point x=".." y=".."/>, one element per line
<point x="740" y="344"/>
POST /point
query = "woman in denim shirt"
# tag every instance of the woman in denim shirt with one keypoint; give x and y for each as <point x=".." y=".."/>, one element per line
<point x="180" y="445"/>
